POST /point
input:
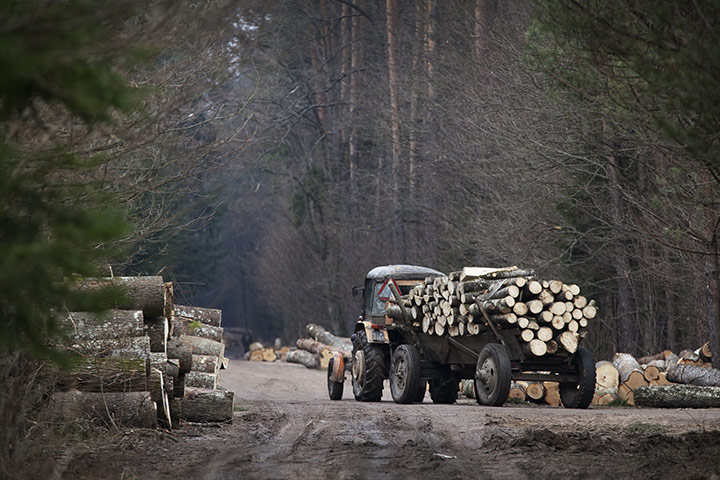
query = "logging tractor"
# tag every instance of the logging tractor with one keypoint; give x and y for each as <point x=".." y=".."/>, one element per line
<point x="424" y="330"/>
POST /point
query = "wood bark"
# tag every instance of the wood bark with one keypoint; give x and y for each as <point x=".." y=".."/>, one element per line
<point x="303" y="357"/>
<point x="189" y="326"/>
<point x="200" y="379"/>
<point x="203" y="346"/>
<point x="208" y="316"/>
<point x="141" y="293"/>
<point x="206" y="405"/>
<point x="128" y="409"/>
<point x="104" y="325"/>
<point x="158" y="330"/>
<point x="206" y="364"/>
<point x="678" y="396"/>
<point x="692" y="375"/>
<point x="127" y="347"/>
<point x="313" y="346"/>
<point x="182" y="350"/>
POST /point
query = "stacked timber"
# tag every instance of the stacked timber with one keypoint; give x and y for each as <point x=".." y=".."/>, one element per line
<point x="199" y="331"/>
<point x="549" y="316"/>
<point x="657" y="377"/>
<point x="127" y="359"/>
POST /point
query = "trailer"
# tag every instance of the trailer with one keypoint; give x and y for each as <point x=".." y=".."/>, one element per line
<point x="395" y="349"/>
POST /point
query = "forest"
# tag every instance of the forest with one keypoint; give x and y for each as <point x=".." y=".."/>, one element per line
<point x="263" y="155"/>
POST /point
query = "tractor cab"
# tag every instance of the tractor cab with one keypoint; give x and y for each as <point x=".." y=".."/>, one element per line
<point x="377" y="292"/>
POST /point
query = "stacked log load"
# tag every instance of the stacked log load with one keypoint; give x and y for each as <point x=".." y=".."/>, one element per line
<point x="131" y="366"/>
<point x="549" y="316"/>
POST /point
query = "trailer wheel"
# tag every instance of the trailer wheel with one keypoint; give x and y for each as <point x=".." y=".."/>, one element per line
<point x="405" y="374"/>
<point x="580" y="395"/>
<point x="492" y="375"/>
<point x="368" y="369"/>
<point x="444" y="390"/>
<point x="335" y="389"/>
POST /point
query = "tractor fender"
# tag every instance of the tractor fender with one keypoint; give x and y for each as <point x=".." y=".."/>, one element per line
<point x="338" y="368"/>
<point x="375" y="333"/>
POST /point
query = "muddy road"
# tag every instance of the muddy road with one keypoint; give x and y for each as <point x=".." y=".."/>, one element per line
<point x="285" y="427"/>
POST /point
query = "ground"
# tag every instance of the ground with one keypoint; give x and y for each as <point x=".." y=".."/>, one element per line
<point x="285" y="426"/>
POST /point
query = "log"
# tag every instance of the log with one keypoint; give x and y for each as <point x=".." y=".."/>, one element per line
<point x="552" y="346"/>
<point x="605" y="396"/>
<point x="658" y="356"/>
<point x="626" y="393"/>
<point x="546" y="297"/>
<point x="692" y="375"/>
<point x="678" y="396"/>
<point x="535" y="306"/>
<point x="545" y="334"/>
<point x="203" y="346"/>
<point x="520" y="309"/>
<point x="203" y="405"/>
<point x="535" y="391"/>
<point x="158" y="330"/>
<point x="606" y="375"/>
<point x="651" y="372"/>
<point x="129" y="409"/>
<point x="169" y="297"/>
<point x="105" y="375"/>
<point x="200" y="379"/>
<point x="159" y="360"/>
<point x="552" y="394"/>
<point x="208" y="316"/>
<point x="626" y="365"/>
<point x="463" y="288"/>
<point x="127" y="347"/>
<point x="534" y="287"/>
<point x="182" y="350"/>
<point x="256" y="355"/>
<point x="141" y="293"/>
<point x="206" y="364"/>
<point x="322" y="335"/>
<point x="580" y="302"/>
<point x="517" y="392"/>
<point x="104" y="325"/>
<point x="188" y="326"/>
<point x="568" y="341"/>
<point x="304" y="358"/>
<point x="468" y="388"/>
<point x="527" y="335"/>
<point x="535" y="347"/>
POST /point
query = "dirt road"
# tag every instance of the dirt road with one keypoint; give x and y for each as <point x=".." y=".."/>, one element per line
<point x="286" y="427"/>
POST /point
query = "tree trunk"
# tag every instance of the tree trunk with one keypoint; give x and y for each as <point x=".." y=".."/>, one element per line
<point x="678" y="396"/>
<point x="104" y="325"/>
<point x="142" y="293"/>
<point x="205" y="405"/>
<point x="129" y="409"/>
<point x="208" y="316"/>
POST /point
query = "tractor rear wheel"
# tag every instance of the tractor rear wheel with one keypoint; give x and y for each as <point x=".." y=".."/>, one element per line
<point x="368" y="369"/>
<point x="335" y="389"/>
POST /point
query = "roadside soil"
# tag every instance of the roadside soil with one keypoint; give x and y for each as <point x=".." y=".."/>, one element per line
<point x="285" y="426"/>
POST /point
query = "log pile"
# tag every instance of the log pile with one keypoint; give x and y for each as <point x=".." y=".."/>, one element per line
<point x="549" y="316"/>
<point x="134" y="362"/>
<point x="662" y="379"/>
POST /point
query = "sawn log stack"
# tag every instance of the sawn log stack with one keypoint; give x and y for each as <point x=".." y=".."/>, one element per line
<point x="144" y="363"/>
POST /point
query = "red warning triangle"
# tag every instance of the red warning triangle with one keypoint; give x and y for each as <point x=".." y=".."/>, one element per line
<point x="385" y="293"/>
